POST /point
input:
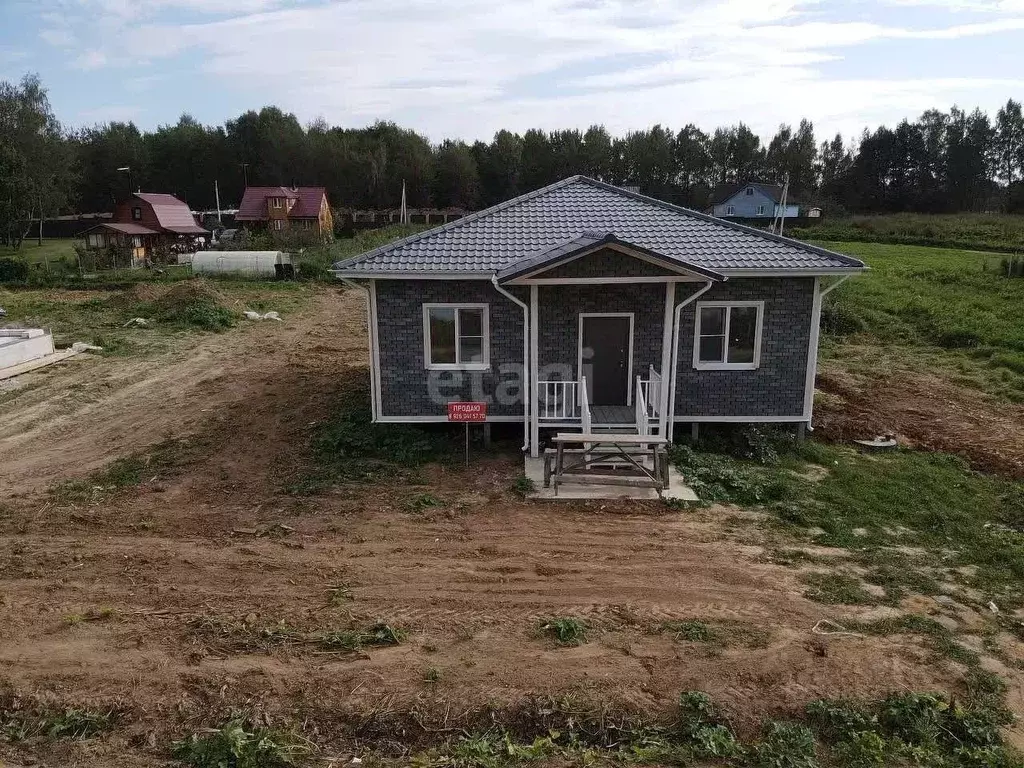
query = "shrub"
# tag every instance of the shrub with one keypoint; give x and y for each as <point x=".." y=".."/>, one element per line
<point x="784" y="745"/>
<point x="237" y="745"/>
<point x="13" y="271"/>
<point x="565" y="631"/>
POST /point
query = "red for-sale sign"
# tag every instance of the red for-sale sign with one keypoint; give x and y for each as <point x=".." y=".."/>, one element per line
<point x="467" y="411"/>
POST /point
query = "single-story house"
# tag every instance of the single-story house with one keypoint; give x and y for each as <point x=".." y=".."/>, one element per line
<point x="585" y="306"/>
<point x="146" y="221"/>
<point x="752" y="200"/>
<point x="278" y="209"/>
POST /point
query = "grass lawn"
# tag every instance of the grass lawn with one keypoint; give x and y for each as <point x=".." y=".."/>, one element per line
<point x="52" y="250"/>
<point x="170" y="307"/>
<point x="933" y="307"/>
<point x="985" y="231"/>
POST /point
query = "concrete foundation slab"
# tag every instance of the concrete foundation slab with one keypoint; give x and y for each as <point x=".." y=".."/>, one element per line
<point x="677" y="489"/>
<point x="21" y="345"/>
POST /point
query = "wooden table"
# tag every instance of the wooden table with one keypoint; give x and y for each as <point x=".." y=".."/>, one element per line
<point x="634" y="450"/>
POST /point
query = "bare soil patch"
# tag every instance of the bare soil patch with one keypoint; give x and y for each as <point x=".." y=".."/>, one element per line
<point x="181" y="599"/>
<point x="924" y="411"/>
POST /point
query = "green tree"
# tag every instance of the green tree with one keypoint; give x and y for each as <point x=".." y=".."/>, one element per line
<point x="598" y="160"/>
<point x="693" y="165"/>
<point x="457" y="181"/>
<point x="36" y="172"/>
<point x="1009" y="143"/>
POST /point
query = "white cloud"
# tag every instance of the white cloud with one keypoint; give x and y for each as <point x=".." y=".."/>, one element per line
<point x="105" y="114"/>
<point x="467" y="67"/>
<point x="59" y="37"/>
<point x="91" y="59"/>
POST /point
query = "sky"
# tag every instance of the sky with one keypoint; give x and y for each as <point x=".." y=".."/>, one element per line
<point x="467" y="68"/>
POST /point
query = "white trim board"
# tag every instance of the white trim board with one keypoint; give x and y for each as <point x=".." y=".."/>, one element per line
<point x="412" y="275"/>
<point x="700" y="365"/>
<point x="378" y="396"/>
<point x="534" y="386"/>
<point x="441" y="420"/>
<point x="579" y="351"/>
<point x="737" y="419"/>
<point x="666" y="357"/>
<point x="606" y="280"/>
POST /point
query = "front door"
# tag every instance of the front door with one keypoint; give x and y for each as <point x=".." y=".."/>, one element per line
<point x="606" y="343"/>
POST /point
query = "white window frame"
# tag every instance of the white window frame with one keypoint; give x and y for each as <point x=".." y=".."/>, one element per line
<point x="762" y="210"/>
<point x="727" y="366"/>
<point x="730" y="210"/>
<point x="485" y="330"/>
<point x="278" y="225"/>
<point x="277" y="202"/>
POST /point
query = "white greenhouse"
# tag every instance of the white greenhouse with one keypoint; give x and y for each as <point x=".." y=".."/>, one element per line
<point x="258" y="263"/>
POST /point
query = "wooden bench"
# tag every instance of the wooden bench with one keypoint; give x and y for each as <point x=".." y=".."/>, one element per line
<point x="632" y="450"/>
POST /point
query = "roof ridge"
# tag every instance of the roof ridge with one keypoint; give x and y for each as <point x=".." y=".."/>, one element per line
<point x="458" y="222"/>
<point x="771" y="236"/>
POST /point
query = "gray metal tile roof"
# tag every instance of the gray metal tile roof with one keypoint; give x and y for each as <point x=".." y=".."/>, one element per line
<point x="525" y="226"/>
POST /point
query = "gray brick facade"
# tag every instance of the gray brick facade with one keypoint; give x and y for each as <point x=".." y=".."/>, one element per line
<point x="560" y="306"/>
<point x="606" y="263"/>
<point x="406" y="385"/>
<point x="776" y="387"/>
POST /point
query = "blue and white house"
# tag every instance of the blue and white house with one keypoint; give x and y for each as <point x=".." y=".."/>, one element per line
<point x="751" y="201"/>
<point x="587" y="307"/>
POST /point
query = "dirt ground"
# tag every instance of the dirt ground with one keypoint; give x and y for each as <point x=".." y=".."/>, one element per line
<point x="923" y="410"/>
<point x="152" y="601"/>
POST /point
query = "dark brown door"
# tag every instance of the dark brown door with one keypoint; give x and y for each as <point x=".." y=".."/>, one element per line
<point x="605" y="347"/>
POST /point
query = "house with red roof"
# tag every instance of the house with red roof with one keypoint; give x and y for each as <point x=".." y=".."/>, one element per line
<point x="145" y="222"/>
<point x="280" y="209"/>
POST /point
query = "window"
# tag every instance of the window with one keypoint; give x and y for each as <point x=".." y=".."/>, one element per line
<point x="277" y="202"/>
<point x="455" y="336"/>
<point x="137" y="214"/>
<point x="278" y="225"/>
<point x="750" y="191"/>
<point x="136" y="241"/>
<point x="730" y="211"/>
<point x="760" y="210"/>
<point x="728" y="335"/>
<point x="307" y="224"/>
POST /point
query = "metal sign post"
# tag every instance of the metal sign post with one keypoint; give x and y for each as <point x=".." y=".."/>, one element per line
<point x="467" y="413"/>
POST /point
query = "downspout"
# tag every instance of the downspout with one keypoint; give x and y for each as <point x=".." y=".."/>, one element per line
<point x="675" y="356"/>
<point x="527" y="389"/>
<point x="812" y="352"/>
<point x="372" y="332"/>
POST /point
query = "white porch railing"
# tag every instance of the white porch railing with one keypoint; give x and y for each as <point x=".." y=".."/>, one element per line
<point x="650" y="389"/>
<point x="558" y="400"/>
<point x="643" y="423"/>
<point x="585" y="404"/>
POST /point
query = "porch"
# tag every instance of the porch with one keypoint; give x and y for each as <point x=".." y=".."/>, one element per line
<point x="562" y="404"/>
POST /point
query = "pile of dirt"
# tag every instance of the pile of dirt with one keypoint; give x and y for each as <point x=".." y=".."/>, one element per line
<point x="140" y="293"/>
<point x="187" y="292"/>
<point x="923" y="411"/>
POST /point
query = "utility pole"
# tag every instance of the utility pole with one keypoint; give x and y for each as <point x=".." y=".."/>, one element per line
<point x="245" y="173"/>
<point x="779" y="221"/>
<point x="216" y="193"/>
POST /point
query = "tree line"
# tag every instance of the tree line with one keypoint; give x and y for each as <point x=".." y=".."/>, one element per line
<point x="942" y="162"/>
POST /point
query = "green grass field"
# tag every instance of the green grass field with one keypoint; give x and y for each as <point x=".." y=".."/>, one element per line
<point x="934" y="307"/>
<point x="981" y="231"/>
<point x="51" y="250"/>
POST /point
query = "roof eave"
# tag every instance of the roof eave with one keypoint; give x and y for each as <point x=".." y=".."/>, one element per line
<point x="539" y="263"/>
